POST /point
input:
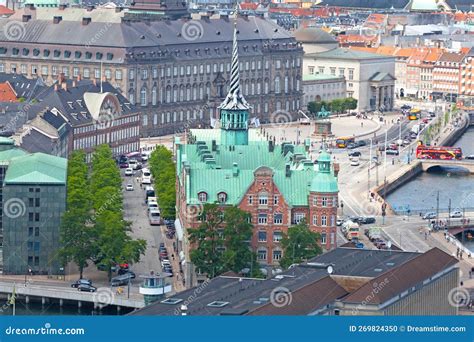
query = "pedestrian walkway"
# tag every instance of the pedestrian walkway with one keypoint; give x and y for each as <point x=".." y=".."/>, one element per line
<point x="177" y="279"/>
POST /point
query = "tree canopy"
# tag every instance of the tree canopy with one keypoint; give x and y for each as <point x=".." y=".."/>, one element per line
<point x="299" y="244"/>
<point x="163" y="170"/>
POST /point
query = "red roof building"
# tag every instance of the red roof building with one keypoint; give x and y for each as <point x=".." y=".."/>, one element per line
<point x="7" y="93"/>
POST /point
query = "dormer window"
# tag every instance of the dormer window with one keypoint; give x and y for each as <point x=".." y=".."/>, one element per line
<point x="67" y="54"/>
<point x="77" y="54"/>
<point x="57" y="53"/>
<point x="222" y="197"/>
<point x="26" y="52"/>
<point x="15" y="51"/>
<point x="202" y="196"/>
<point x="36" y="52"/>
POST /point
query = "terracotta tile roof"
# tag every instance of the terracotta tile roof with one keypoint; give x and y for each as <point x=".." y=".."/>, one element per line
<point x="405" y="52"/>
<point x="7" y="93"/>
<point x="248" y="6"/>
<point x="452" y="57"/>
<point x="5" y="11"/>
<point x="433" y="55"/>
<point x="355" y="38"/>
<point x="363" y="48"/>
<point x="386" y="50"/>
<point x="305" y="300"/>
<point x="400" y="279"/>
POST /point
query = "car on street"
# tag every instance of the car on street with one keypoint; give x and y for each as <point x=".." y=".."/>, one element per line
<point x="355" y="162"/>
<point x="128" y="171"/>
<point x="79" y="282"/>
<point x="406" y="142"/>
<point x="146" y="180"/>
<point x="429" y="216"/>
<point x="86" y="288"/>
<point x="152" y="205"/>
<point x="367" y="220"/>
<point x="127" y="271"/>
<point x="351" y="146"/>
<point x="355" y="154"/>
<point x="123" y="165"/>
<point x="129" y="187"/>
<point x="405" y="107"/>
<point x="392" y="152"/>
<point x="123" y="279"/>
<point x="361" y="143"/>
<point x="471" y="157"/>
<point x="339" y="222"/>
<point x="455" y="214"/>
<point x="154" y="217"/>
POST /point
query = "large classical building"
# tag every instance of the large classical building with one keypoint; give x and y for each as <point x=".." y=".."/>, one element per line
<point x="369" y="76"/>
<point x="175" y="69"/>
<point x="237" y="166"/>
<point x="33" y="199"/>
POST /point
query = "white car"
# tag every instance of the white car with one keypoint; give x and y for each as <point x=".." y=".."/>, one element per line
<point x="455" y="214"/>
<point x="355" y="162"/>
<point x="146" y="180"/>
<point x="128" y="171"/>
<point x="129" y="187"/>
<point x="152" y="206"/>
<point x="133" y="163"/>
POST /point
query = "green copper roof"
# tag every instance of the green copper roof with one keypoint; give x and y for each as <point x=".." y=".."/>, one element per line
<point x="422" y="5"/>
<point x="341" y="53"/>
<point x="324" y="182"/>
<point x="36" y="168"/>
<point x="6" y="155"/>
<point x="6" y="141"/>
<point x="324" y="157"/>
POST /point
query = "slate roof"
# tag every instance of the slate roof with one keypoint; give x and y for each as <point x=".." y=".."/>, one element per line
<point x="24" y="87"/>
<point x="309" y="284"/>
<point x="341" y="53"/>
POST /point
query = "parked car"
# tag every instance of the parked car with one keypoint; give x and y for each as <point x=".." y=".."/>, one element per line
<point x="123" y="165"/>
<point x="127" y="271"/>
<point x="339" y="222"/>
<point x="471" y="156"/>
<point x="146" y="180"/>
<point x="455" y="214"/>
<point x="132" y="163"/>
<point x="361" y="143"/>
<point x="355" y="154"/>
<point x="392" y="152"/>
<point x="79" y="282"/>
<point x="128" y="171"/>
<point x="152" y="205"/>
<point x="429" y="216"/>
<point x="405" y="107"/>
<point x="154" y="217"/>
<point x="129" y="187"/>
<point x="86" y="288"/>
<point x="351" y="146"/>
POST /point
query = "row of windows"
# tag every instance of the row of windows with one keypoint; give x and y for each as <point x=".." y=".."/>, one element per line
<point x="56" y="53"/>
<point x="95" y="140"/>
<point x="332" y="71"/>
<point x="262" y="255"/>
<point x="262" y="236"/>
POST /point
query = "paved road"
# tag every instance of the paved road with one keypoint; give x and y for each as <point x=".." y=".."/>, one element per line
<point x="135" y="211"/>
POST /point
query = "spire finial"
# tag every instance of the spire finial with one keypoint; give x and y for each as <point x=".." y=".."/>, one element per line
<point x="234" y="99"/>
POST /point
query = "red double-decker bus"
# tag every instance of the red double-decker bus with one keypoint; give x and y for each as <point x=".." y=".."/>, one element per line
<point x="438" y="152"/>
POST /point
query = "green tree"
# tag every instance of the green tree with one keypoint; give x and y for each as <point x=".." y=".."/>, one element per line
<point x="350" y="103"/>
<point x="163" y="169"/>
<point x="77" y="237"/>
<point x="299" y="244"/>
<point x="209" y="240"/>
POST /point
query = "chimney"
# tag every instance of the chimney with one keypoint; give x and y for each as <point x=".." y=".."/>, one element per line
<point x="336" y="169"/>
<point x="62" y="7"/>
<point x="56" y="87"/>
<point x="86" y="21"/>
<point x="64" y="86"/>
<point x="271" y="146"/>
<point x="235" y="170"/>
<point x="94" y="82"/>
<point x="26" y="18"/>
<point x="287" y="170"/>
<point x="57" y="19"/>
<point x="74" y="84"/>
<point x="79" y="77"/>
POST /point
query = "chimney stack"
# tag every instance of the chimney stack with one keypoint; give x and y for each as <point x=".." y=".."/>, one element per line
<point x="56" y="87"/>
<point x="336" y="167"/>
<point x="61" y="78"/>
<point x="26" y="18"/>
<point x="57" y="19"/>
<point x="64" y="86"/>
<point x="86" y="21"/>
<point x="287" y="170"/>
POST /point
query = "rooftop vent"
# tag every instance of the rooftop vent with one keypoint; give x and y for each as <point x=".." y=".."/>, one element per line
<point x="171" y="301"/>
<point x="25" y="18"/>
<point x="86" y="20"/>
<point x="57" y="19"/>
<point x="217" y="304"/>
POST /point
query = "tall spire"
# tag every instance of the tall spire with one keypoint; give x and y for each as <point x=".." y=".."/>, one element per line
<point x="234" y="98"/>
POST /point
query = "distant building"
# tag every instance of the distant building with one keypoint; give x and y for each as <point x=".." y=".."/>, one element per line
<point x="33" y="199"/>
<point x="175" y="70"/>
<point x="240" y="166"/>
<point x="343" y="281"/>
<point x="369" y="76"/>
<point x="446" y="76"/>
<point x="467" y="75"/>
<point x="315" y="40"/>
<point x="320" y="87"/>
<point x="80" y="115"/>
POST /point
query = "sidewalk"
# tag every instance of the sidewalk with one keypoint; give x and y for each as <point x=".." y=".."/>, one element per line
<point x="177" y="279"/>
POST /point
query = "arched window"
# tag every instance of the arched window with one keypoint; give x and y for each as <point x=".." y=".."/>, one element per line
<point x="202" y="196"/>
<point x="181" y="94"/>
<point x="277" y="85"/>
<point x="143" y="97"/>
<point x="175" y="94"/>
<point x="222" y="197"/>
<point x="153" y="96"/>
<point x="188" y="93"/>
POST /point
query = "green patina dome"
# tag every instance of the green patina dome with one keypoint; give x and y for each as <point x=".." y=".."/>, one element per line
<point x="324" y="157"/>
<point x="324" y="183"/>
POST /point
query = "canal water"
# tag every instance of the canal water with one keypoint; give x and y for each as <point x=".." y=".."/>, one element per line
<point x="420" y="193"/>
